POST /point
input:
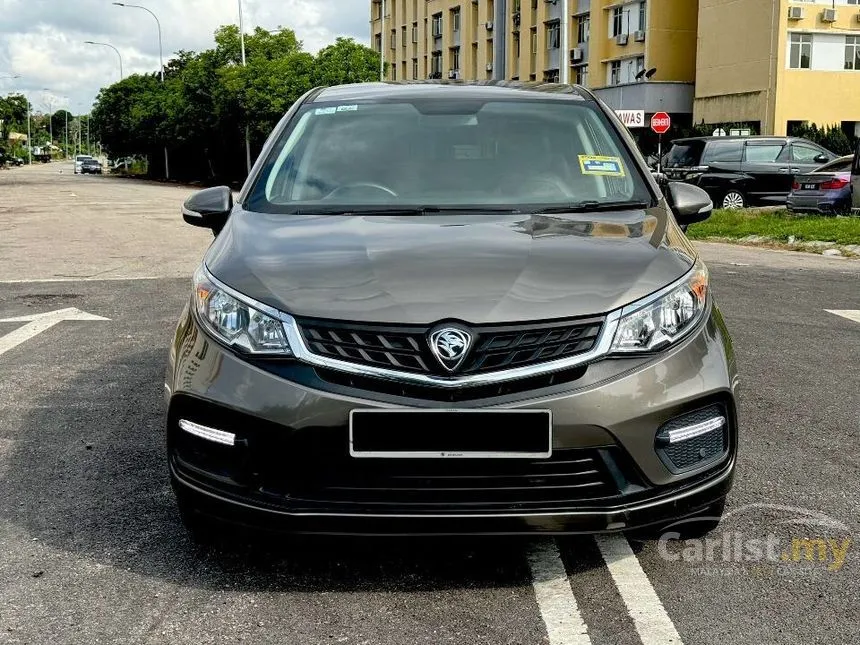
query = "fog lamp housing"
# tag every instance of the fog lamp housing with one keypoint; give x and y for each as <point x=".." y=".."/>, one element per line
<point x="694" y="439"/>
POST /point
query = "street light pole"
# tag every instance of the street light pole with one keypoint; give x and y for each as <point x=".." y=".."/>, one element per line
<point x="247" y="129"/>
<point x="90" y="42"/>
<point x="160" y="65"/>
<point x="50" y="122"/>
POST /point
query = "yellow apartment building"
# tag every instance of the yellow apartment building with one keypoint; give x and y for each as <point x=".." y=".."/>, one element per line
<point x="779" y="62"/>
<point x="606" y="45"/>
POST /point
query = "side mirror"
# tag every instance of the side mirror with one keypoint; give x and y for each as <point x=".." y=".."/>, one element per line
<point x="822" y="158"/>
<point x="689" y="203"/>
<point x="209" y="208"/>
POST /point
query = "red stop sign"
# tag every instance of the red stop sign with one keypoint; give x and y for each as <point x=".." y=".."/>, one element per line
<point x="661" y="122"/>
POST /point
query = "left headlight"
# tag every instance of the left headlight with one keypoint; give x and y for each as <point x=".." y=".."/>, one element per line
<point x="666" y="319"/>
<point x="236" y="322"/>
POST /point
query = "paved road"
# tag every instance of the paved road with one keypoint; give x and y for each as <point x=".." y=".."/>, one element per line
<point x="91" y="550"/>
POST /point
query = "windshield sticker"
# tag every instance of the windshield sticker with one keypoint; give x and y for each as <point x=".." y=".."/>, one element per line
<point x="601" y="166"/>
<point x="328" y="110"/>
<point x="347" y="108"/>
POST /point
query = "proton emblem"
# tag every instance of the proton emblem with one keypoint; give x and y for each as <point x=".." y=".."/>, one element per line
<point x="450" y="346"/>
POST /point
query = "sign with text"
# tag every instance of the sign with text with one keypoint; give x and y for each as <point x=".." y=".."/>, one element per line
<point x="632" y="118"/>
<point x="661" y="122"/>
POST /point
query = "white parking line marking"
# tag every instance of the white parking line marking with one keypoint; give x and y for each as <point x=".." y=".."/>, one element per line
<point x="37" y="323"/>
<point x="850" y="314"/>
<point x="652" y="622"/>
<point x="558" y="608"/>
<point x="65" y="279"/>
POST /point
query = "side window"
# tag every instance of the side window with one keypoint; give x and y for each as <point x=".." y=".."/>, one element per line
<point x="723" y="151"/>
<point x="762" y="153"/>
<point x="804" y="153"/>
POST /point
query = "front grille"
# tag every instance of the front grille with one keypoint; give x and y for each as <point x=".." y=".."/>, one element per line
<point x="320" y="478"/>
<point x="494" y="348"/>
<point x="400" y="388"/>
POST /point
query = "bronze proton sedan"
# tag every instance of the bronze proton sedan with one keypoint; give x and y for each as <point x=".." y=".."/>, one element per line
<point x="450" y="308"/>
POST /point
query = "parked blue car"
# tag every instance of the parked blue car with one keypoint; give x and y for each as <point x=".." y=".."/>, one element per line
<point x="826" y="190"/>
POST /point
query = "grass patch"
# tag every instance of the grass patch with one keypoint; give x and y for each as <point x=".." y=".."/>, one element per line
<point x="777" y="225"/>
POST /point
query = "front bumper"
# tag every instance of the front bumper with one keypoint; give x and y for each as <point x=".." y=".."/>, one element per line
<point x="290" y="468"/>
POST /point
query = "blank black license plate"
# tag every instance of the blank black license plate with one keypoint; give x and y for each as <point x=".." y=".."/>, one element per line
<point x="469" y="434"/>
<point x="809" y="186"/>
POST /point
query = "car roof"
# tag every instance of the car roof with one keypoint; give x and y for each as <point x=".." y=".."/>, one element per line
<point x="482" y="90"/>
<point x="759" y="138"/>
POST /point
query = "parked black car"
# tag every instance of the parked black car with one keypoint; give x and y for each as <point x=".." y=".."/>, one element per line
<point x="741" y="171"/>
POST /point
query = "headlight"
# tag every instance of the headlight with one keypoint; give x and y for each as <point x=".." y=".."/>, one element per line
<point x="666" y="319"/>
<point x="237" y="323"/>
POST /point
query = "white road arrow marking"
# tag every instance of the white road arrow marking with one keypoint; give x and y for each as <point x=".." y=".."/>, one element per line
<point x="37" y="323"/>
<point x="850" y="314"/>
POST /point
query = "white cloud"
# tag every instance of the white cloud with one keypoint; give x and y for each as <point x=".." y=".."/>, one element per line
<point x="43" y="40"/>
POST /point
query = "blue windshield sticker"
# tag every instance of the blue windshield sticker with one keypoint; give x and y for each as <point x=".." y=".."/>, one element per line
<point x="601" y="166"/>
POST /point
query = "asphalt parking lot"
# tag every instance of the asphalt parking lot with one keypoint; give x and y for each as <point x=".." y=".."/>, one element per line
<point x="92" y="550"/>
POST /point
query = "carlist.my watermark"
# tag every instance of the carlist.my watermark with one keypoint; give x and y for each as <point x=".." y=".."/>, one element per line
<point x="809" y="542"/>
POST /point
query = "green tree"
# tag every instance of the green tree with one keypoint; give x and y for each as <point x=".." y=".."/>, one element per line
<point x="346" y="61"/>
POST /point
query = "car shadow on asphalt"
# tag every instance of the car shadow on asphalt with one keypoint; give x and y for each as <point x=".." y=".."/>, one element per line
<point x="88" y="476"/>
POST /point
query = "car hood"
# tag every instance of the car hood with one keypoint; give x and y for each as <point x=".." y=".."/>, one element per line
<point x="473" y="268"/>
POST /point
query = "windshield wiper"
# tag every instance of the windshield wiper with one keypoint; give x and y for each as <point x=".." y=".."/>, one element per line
<point x="591" y="206"/>
<point x="401" y="210"/>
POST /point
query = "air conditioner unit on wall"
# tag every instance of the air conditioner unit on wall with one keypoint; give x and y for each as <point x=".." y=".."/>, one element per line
<point x="576" y="54"/>
<point x="621" y="39"/>
<point x="795" y="13"/>
<point x="454" y="74"/>
<point x="489" y="25"/>
<point x="639" y="36"/>
<point x="489" y="67"/>
<point x="828" y="15"/>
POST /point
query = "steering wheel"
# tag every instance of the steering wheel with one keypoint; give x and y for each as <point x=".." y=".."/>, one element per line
<point x="361" y="184"/>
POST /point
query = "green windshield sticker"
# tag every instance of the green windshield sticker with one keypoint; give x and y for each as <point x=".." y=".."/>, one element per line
<point x="601" y="166"/>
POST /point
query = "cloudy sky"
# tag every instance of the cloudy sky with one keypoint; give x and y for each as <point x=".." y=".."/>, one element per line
<point x="43" y="40"/>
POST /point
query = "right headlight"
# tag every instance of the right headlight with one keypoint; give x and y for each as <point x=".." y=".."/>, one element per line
<point x="235" y="322"/>
<point x="666" y="319"/>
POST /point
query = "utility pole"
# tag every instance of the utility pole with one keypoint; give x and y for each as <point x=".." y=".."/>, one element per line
<point x="247" y="127"/>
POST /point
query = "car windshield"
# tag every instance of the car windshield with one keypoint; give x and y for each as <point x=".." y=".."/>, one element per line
<point x="685" y="154"/>
<point x="445" y="155"/>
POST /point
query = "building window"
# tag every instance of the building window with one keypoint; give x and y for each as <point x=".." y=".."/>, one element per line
<point x="378" y="43"/>
<point x="640" y="66"/>
<point x="852" y="52"/>
<point x="437" y="25"/>
<point x="517" y="45"/>
<point x="394" y="72"/>
<point x="581" y="75"/>
<point x="642" y="17"/>
<point x="403" y="40"/>
<point x="455" y="58"/>
<point x="553" y="35"/>
<point x="617" y="20"/>
<point x="436" y="65"/>
<point x="455" y="19"/>
<point x="393" y="39"/>
<point x="800" y="53"/>
<point x="583" y="28"/>
<point x="615" y="72"/>
<point x="415" y="68"/>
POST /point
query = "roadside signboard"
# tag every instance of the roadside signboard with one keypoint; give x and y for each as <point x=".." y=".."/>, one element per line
<point x="632" y="118"/>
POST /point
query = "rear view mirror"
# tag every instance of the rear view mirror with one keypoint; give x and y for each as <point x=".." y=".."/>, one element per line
<point x="209" y="208"/>
<point x="689" y="203"/>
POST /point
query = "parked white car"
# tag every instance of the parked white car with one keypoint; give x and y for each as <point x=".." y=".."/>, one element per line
<point x="79" y="159"/>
